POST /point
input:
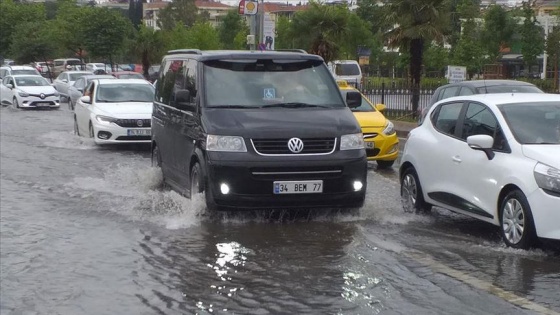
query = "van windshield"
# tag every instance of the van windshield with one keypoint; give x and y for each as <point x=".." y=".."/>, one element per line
<point x="346" y="69"/>
<point x="267" y="83"/>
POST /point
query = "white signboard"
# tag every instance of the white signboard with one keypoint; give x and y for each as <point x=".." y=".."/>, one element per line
<point x="456" y="74"/>
<point x="250" y="7"/>
<point x="269" y="31"/>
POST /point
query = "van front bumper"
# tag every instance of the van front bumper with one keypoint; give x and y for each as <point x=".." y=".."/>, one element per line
<point x="251" y="185"/>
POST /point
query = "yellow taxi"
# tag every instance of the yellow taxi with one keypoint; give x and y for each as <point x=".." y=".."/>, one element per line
<point x="380" y="138"/>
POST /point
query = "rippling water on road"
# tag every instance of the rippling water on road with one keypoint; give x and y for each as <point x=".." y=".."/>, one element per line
<point x="90" y="230"/>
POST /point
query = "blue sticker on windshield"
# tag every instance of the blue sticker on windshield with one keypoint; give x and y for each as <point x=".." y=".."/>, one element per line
<point x="269" y="93"/>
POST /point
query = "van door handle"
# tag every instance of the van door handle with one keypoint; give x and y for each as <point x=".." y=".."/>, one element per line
<point x="456" y="159"/>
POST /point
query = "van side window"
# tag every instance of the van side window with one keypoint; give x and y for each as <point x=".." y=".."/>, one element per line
<point x="172" y="79"/>
<point x="190" y="82"/>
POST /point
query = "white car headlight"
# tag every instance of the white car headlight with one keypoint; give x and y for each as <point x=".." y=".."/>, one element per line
<point x="105" y="119"/>
<point x="225" y="143"/>
<point x="352" y="142"/>
<point x="547" y="177"/>
<point x="56" y="94"/>
<point x="23" y="94"/>
<point x="389" y="128"/>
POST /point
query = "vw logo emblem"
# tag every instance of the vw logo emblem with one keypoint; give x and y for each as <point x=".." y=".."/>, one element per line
<point x="295" y="145"/>
<point x="42" y="96"/>
<point x="140" y="122"/>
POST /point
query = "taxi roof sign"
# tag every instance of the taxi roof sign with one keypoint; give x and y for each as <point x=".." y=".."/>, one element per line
<point x="342" y="83"/>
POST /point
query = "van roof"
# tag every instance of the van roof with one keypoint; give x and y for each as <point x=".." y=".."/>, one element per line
<point x="238" y="54"/>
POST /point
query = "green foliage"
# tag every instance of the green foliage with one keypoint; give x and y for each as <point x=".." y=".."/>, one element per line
<point x="374" y="12"/>
<point x="499" y="28"/>
<point x="436" y="58"/>
<point x="201" y="35"/>
<point x="469" y="51"/>
<point x="104" y="32"/>
<point x="148" y="47"/>
<point x="359" y="34"/>
<point x="231" y="25"/>
<point x="12" y="15"/>
<point x="240" y="40"/>
<point x="31" y="42"/>
<point x="284" y="39"/>
<point x="136" y="12"/>
<point x="183" y="12"/>
<point x="532" y="37"/>
<point x="553" y="46"/>
<point x="69" y="31"/>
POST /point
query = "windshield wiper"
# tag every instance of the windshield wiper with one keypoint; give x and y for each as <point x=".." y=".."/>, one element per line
<point x="292" y="105"/>
<point x="231" y="106"/>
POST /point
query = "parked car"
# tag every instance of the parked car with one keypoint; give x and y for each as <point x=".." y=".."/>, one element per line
<point x="477" y="87"/>
<point x="60" y="65"/>
<point x="76" y="90"/>
<point x="380" y="138"/>
<point x="67" y="79"/>
<point x="28" y="91"/>
<point x="127" y="75"/>
<point x="262" y="132"/>
<point x="493" y="157"/>
<point x="17" y="70"/>
<point x="348" y="70"/>
<point x="115" y="111"/>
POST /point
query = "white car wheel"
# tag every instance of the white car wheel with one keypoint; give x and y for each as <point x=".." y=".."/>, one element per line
<point x="16" y="103"/>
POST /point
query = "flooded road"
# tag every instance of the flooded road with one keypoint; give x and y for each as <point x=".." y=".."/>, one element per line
<point x="90" y="230"/>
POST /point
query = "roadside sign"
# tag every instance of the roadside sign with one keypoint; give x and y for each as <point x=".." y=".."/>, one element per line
<point x="456" y="74"/>
<point x="241" y="7"/>
<point x="249" y="7"/>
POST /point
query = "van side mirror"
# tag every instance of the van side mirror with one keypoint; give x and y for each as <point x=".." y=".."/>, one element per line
<point x="183" y="100"/>
<point x="353" y="99"/>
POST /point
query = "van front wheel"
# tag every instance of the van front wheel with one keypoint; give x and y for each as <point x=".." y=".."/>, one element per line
<point x="197" y="181"/>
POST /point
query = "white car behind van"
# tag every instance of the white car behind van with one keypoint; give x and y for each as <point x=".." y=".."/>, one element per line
<point x="348" y="70"/>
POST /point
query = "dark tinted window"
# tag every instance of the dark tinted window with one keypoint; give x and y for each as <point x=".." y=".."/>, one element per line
<point x="172" y="79"/>
<point x="465" y="91"/>
<point x="446" y="118"/>
<point x="346" y="69"/>
<point x="449" y="92"/>
<point x="534" y="123"/>
<point x="508" y="89"/>
<point x="190" y="81"/>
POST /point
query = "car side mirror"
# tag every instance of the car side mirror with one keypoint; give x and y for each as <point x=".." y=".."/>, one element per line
<point x="80" y="90"/>
<point x="482" y="143"/>
<point x="183" y="100"/>
<point x="380" y="107"/>
<point x="353" y="99"/>
<point x="9" y="86"/>
<point x="85" y="99"/>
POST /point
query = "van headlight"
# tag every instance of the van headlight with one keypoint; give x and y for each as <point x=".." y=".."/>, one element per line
<point x="547" y="177"/>
<point x="225" y="143"/>
<point x="389" y="128"/>
<point x="352" y="141"/>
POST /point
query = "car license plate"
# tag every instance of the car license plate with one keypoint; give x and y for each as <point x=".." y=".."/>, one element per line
<point x="370" y="145"/>
<point x="42" y="104"/>
<point x="298" y="187"/>
<point x="139" y="132"/>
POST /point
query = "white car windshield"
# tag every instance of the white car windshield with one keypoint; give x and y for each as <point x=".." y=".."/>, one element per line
<point x="19" y="72"/>
<point x="114" y="93"/>
<point x="31" y="81"/>
<point x="269" y="83"/>
<point x="534" y="123"/>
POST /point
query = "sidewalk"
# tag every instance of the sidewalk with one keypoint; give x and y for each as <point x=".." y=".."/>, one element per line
<point x="403" y="127"/>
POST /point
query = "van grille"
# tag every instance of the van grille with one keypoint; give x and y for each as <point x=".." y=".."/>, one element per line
<point x="279" y="146"/>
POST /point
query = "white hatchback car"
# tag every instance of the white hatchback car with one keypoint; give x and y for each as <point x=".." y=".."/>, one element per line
<point x="30" y="91"/>
<point x="494" y="157"/>
<point x="115" y="111"/>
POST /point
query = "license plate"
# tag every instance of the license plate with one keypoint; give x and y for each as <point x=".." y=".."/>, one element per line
<point x="298" y="187"/>
<point x="139" y="132"/>
<point x="42" y="104"/>
<point x="370" y="145"/>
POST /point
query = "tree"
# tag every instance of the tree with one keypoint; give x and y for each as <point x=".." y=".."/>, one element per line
<point x="182" y="12"/>
<point x="284" y="38"/>
<point x="436" y="58"/>
<point x="105" y="31"/>
<point x="148" y="47"/>
<point x="14" y="14"/>
<point x="232" y="23"/>
<point x="31" y="42"/>
<point x="69" y="31"/>
<point x="201" y="35"/>
<point x="469" y="51"/>
<point x="498" y="30"/>
<point x="136" y="12"/>
<point x="532" y="36"/>
<point x="553" y="52"/>
<point x="374" y="12"/>
<point x="359" y="35"/>
<point x="417" y="22"/>
<point x="319" y="29"/>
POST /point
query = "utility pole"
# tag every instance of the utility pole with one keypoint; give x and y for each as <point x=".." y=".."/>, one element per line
<point x="545" y="55"/>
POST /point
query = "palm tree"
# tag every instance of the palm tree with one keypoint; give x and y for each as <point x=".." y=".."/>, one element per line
<point x="416" y="24"/>
<point x="149" y="47"/>
<point x="319" y="28"/>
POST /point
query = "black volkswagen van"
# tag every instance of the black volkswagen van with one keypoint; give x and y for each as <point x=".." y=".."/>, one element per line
<point x="257" y="130"/>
